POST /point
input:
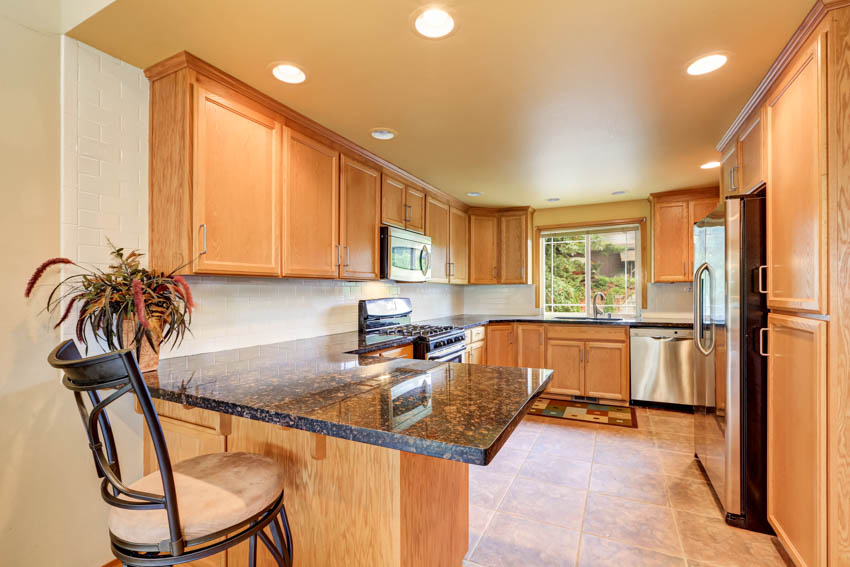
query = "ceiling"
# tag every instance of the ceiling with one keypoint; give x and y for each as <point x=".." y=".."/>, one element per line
<point x="524" y="101"/>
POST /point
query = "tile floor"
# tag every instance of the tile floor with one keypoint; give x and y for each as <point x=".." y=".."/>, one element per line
<point x="567" y="493"/>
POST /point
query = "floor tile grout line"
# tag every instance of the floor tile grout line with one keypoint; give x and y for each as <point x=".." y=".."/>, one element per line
<point x="641" y="547"/>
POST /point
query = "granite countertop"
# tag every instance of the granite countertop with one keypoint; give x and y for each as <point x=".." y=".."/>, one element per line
<point x="469" y="321"/>
<point x="462" y="412"/>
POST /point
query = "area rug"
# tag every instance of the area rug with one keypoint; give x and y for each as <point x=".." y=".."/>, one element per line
<point x="583" y="411"/>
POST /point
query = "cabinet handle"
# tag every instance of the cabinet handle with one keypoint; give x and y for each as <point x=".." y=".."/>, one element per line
<point x="408" y="213"/>
<point x="204" y="251"/>
<point x="494" y="272"/>
<point x="347" y="256"/>
<point x="510" y="338"/>
<point x="581" y="355"/>
<point x="733" y="186"/>
<point x="522" y="272"/>
<point x="587" y="358"/>
<point x="541" y="339"/>
<point x="762" y="333"/>
<point x="762" y="283"/>
<point x="338" y="256"/>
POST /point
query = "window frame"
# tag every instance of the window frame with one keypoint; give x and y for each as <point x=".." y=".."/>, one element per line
<point x="641" y="255"/>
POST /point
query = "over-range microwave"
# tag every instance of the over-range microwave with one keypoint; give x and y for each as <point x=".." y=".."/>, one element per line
<point x="405" y="255"/>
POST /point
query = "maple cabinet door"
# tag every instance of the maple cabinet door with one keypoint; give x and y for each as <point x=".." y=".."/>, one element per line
<point x="415" y="205"/>
<point x="311" y="209"/>
<point x="513" y="248"/>
<point x="672" y="238"/>
<point x="392" y="201"/>
<point x="483" y="249"/>
<point x="458" y="246"/>
<point x="360" y="216"/>
<point x="236" y="194"/>
<point x="796" y="186"/>
<point x="566" y="359"/>
<point x="796" y="436"/>
<point x="530" y="348"/>
<point x="501" y="345"/>
<point x="437" y="227"/>
<point x="606" y="372"/>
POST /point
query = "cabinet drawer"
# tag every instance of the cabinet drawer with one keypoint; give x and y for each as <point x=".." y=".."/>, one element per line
<point x="405" y="351"/>
<point x="475" y="334"/>
<point x="587" y="332"/>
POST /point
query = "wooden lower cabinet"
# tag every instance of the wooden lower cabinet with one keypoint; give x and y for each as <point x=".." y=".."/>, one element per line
<point x="796" y="436"/>
<point x="606" y="370"/>
<point x="501" y="347"/>
<point x="476" y="353"/>
<point x="530" y="346"/>
<point x="588" y="360"/>
<point x="405" y="351"/>
<point x="566" y="358"/>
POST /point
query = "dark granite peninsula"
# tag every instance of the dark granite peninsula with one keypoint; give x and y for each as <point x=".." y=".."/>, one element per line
<point x="376" y="451"/>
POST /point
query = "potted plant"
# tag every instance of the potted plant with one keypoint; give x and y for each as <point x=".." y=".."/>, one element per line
<point x="124" y="306"/>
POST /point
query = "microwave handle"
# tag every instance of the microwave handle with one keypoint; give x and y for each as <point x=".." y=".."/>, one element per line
<point x="424" y="260"/>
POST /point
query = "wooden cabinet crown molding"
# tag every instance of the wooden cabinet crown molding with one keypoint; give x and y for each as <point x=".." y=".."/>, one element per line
<point x="292" y="118"/>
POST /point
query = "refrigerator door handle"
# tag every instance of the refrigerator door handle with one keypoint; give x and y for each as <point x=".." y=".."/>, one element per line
<point x="698" y="308"/>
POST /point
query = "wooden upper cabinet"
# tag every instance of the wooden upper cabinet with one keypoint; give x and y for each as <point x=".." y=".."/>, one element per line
<point x="566" y="359"/>
<point x="752" y="169"/>
<point x="483" y="246"/>
<point x="671" y="234"/>
<point x="360" y="216"/>
<point x="458" y="246"/>
<point x="729" y="184"/>
<point x="797" y="185"/>
<point x="606" y="373"/>
<point x="501" y="344"/>
<point x="673" y="216"/>
<point x="415" y="203"/>
<point x="797" y="436"/>
<point x="513" y="248"/>
<point x="531" y="350"/>
<point x="393" y="211"/>
<point x="402" y="205"/>
<point x="236" y="194"/>
<point x="311" y="209"/>
<point x="438" y="229"/>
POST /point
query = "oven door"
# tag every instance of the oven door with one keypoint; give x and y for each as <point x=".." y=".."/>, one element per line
<point x="451" y="353"/>
<point x="405" y="255"/>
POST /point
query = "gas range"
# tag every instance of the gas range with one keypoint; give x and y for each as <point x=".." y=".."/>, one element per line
<point x="391" y="317"/>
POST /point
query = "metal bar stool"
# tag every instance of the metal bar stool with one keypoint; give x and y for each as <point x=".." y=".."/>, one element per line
<point x="197" y="508"/>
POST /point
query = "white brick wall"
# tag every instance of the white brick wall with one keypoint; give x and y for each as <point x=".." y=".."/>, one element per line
<point x="104" y="154"/>
<point x="105" y="195"/>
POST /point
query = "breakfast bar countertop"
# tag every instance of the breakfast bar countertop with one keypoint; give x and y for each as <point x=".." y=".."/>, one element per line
<point x="461" y="412"/>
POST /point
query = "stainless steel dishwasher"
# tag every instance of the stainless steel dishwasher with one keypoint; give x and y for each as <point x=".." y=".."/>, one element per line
<point x="662" y="362"/>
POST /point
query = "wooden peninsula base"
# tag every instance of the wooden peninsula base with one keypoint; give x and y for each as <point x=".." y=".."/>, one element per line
<point x="349" y="503"/>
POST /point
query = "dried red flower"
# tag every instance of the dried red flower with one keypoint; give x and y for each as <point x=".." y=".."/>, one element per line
<point x="40" y="272"/>
<point x="139" y="300"/>
<point x="67" y="310"/>
<point x="185" y="291"/>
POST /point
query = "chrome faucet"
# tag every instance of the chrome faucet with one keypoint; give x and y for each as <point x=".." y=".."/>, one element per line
<point x="597" y="311"/>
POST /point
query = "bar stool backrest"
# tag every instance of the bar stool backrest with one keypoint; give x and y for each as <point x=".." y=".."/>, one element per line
<point x="116" y="374"/>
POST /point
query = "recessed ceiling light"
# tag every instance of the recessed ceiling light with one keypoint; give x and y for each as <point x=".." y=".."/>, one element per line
<point x="434" y="23"/>
<point x="474" y="194"/>
<point x="618" y="193"/>
<point x="289" y="73"/>
<point x="382" y="133"/>
<point x="553" y="199"/>
<point x="710" y="165"/>
<point x="707" y="64"/>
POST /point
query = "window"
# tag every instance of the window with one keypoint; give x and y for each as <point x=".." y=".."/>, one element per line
<point x="579" y="264"/>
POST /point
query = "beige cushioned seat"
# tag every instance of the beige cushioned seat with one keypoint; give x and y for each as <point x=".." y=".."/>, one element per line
<point x="214" y="492"/>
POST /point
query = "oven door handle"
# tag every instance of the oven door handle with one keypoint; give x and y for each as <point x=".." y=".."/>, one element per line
<point x="447" y="352"/>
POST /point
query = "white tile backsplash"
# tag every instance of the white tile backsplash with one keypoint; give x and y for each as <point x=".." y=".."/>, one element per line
<point x="671" y="298"/>
<point x="499" y="300"/>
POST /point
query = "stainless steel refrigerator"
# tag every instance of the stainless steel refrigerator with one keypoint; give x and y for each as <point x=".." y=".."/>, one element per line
<point x="730" y="375"/>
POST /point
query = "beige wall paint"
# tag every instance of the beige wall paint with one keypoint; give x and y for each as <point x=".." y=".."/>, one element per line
<point x="590" y="213"/>
<point x="51" y="513"/>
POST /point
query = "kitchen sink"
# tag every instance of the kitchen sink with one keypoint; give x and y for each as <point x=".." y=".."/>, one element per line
<point x="590" y="318"/>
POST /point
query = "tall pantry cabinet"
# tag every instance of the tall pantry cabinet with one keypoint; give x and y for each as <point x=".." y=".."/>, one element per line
<point x="796" y="137"/>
